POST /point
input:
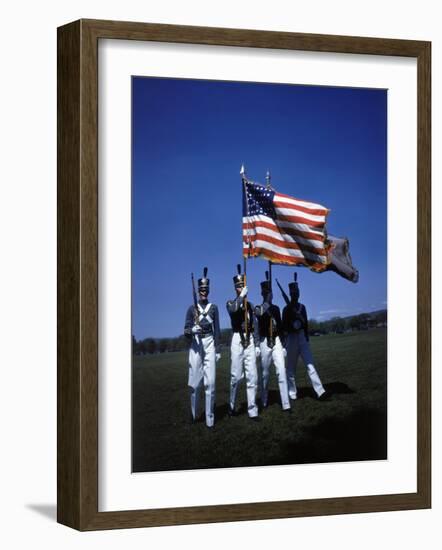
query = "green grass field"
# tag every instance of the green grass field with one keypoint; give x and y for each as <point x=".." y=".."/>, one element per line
<point x="351" y="425"/>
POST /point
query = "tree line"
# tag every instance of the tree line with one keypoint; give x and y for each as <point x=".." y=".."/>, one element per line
<point x="362" y="321"/>
<point x="334" y="325"/>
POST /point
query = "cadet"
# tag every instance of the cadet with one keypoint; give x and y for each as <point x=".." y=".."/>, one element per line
<point x="243" y="347"/>
<point x="295" y="323"/>
<point x="202" y="328"/>
<point x="271" y="345"/>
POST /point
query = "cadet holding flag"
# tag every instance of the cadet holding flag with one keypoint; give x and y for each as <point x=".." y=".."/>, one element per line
<point x="243" y="354"/>
<point x="295" y="323"/>
<point x="271" y="345"/>
<point x="202" y="328"/>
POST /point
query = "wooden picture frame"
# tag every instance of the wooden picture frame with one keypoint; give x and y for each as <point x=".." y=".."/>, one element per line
<point x="77" y="225"/>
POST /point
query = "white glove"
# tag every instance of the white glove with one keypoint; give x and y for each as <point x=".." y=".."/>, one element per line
<point x="217" y="357"/>
<point x="284" y="351"/>
<point x="196" y="329"/>
<point x="257" y="352"/>
<point x="243" y="292"/>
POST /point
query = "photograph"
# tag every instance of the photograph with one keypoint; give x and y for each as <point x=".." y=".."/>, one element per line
<point x="220" y="288"/>
<point x="259" y="274"/>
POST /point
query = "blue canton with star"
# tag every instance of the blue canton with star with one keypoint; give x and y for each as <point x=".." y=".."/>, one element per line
<point x="259" y="201"/>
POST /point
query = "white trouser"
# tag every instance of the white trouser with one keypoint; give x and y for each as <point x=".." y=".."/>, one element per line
<point x="202" y="369"/>
<point x="243" y="358"/>
<point x="298" y="345"/>
<point x="277" y="355"/>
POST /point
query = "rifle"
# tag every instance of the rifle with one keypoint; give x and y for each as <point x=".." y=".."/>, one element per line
<point x="270" y="339"/>
<point x="195" y="305"/>
<point x="245" y="338"/>
<point x="284" y="295"/>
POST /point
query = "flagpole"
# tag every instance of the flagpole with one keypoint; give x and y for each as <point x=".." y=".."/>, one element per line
<point x="268" y="177"/>
<point x="270" y="312"/>
<point x="244" y="183"/>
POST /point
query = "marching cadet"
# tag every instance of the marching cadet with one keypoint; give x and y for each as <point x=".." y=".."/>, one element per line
<point x="242" y="350"/>
<point x="202" y="328"/>
<point x="271" y="345"/>
<point x="295" y="323"/>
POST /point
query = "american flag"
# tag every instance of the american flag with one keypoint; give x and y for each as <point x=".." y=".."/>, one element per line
<point x="283" y="229"/>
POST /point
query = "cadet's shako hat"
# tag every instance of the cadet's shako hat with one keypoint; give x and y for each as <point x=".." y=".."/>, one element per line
<point x="238" y="280"/>
<point x="204" y="282"/>
<point x="294" y="285"/>
<point x="265" y="285"/>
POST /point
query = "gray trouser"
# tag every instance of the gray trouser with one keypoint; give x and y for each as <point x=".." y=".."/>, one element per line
<point x="297" y="345"/>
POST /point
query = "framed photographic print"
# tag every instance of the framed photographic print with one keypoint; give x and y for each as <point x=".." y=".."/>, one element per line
<point x="243" y="275"/>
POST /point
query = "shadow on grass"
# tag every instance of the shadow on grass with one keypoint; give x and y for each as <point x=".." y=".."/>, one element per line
<point x="338" y="388"/>
<point x="222" y="411"/>
<point x="359" y="436"/>
<point x="332" y="388"/>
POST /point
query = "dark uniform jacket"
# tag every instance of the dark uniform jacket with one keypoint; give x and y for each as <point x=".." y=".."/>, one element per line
<point x="207" y="327"/>
<point x="263" y="313"/>
<point x="294" y="319"/>
<point x="236" y="311"/>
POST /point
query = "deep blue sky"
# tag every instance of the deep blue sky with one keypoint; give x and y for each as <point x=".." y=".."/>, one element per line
<point x="324" y="144"/>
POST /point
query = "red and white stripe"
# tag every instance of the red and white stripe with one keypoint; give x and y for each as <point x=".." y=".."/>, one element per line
<point x="296" y="237"/>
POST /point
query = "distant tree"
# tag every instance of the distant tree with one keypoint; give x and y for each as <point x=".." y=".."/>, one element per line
<point x="337" y="324"/>
<point x="179" y="344"/>
<point x="381" y="316"/>
<point x="170" y="342"/>
<point x="150" y="345"/>
<point x="162" y="345"/>
<point x="173" y="344"/>
<point x="141" y="347"/>
<point x="364" y="319"/>
<point x="354" y="322"/>
<point x="313" y="326"/>
<point x="326" y="326"/>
